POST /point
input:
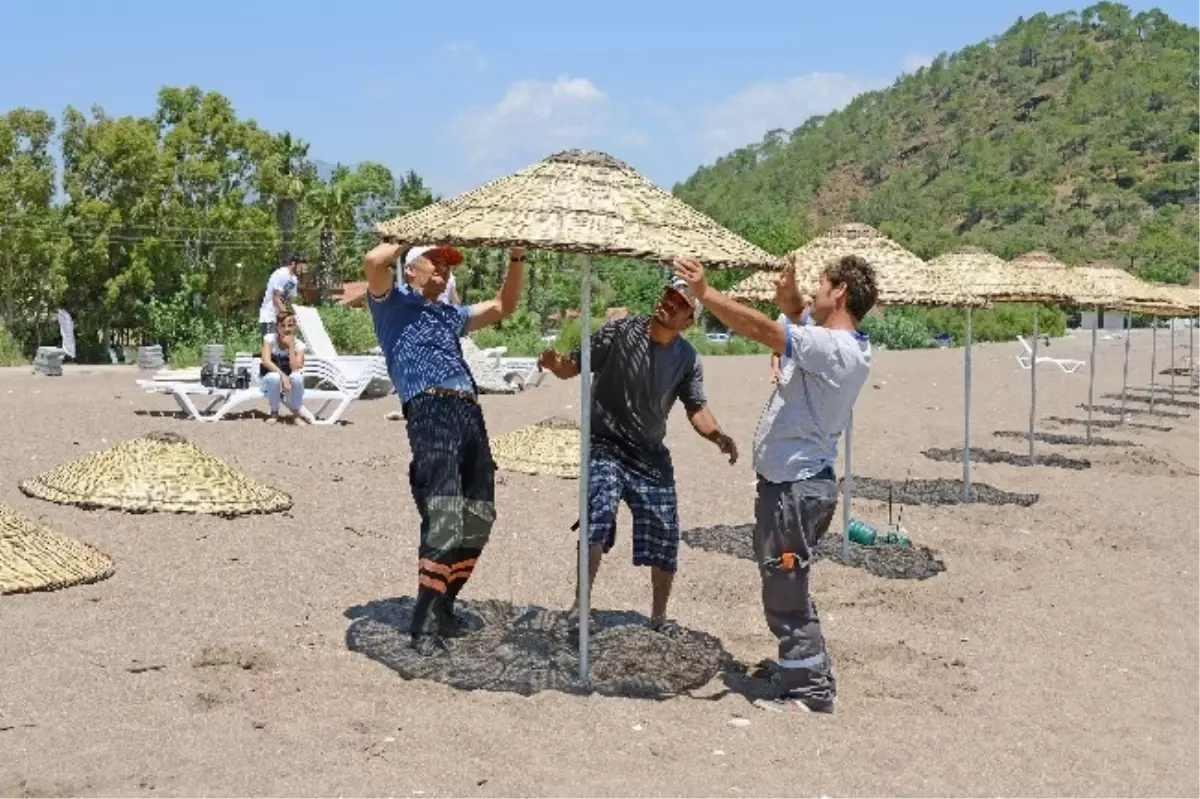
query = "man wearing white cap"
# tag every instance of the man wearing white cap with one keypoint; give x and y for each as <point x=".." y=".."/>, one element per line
<point x="641" y="366"/>
<point x="452" y="474"/>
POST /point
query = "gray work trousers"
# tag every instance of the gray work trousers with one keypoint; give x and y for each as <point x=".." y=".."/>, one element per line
<point x="789" y="520"/>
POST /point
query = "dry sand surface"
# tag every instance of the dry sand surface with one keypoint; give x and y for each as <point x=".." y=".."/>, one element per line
<point x="1057" y="654"/>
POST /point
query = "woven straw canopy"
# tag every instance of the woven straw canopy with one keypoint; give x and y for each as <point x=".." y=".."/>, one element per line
<point x="903" y="278"/>
<point x="1110" y="286"/>
<point x="582" y="202"/>
<point x="978" y="272"/>
<point x="161" y="472"/>
<point x="1054" y="277"/>
<point x="35" y="558"/>
<point x="1186" y="297"/>
<point x="549" y="447"/>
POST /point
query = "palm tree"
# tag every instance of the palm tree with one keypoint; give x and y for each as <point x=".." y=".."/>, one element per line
<point x="293" y="174"/>
<point x="333" y="206"/>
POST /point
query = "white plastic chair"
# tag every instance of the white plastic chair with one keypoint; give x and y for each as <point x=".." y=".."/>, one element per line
<point x="349" y="373"/>
<point x="1068" y="365"/>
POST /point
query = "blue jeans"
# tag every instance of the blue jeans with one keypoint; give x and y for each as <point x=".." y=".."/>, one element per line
<point x="271" y="385"/>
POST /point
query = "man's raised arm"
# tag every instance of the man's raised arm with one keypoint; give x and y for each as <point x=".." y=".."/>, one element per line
<point x="378" y="268"/>
<point x="741" y="319"/>
<point x="489" y="312"/>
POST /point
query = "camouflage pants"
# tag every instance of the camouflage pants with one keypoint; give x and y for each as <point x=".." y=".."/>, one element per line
<point x="453" y="480"/>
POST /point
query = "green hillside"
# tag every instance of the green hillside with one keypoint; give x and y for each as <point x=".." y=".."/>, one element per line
<point x="1076" y="133"/>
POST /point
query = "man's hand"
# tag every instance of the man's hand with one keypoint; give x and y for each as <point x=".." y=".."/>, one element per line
<point x="692" y="272"/>
<point x="516" y="253"/>
<point x="776" y="374"/>
<point x="558" y="365"/>
<point x="727" y="447"/>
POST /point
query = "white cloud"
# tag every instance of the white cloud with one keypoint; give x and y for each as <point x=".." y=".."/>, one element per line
<point x="744" y="117"/>
<point x="914" y="61"/>
<point x="533" y="119"/>
<point x="466" y="53"/>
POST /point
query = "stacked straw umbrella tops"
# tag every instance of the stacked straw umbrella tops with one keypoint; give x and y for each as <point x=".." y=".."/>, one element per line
<point x="588" y="203"/>
<point x="1172" y="301"/>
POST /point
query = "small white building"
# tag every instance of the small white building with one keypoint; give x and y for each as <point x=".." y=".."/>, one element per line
<point x="1110" y="320"/>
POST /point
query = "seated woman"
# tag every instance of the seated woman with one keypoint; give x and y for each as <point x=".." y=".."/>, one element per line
<point x="283" y="356"/>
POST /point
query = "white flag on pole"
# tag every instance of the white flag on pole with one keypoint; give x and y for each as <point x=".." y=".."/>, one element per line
<point x="67" y="327"/>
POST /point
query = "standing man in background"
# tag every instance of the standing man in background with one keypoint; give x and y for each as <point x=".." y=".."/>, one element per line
<point x="282" y="288"/>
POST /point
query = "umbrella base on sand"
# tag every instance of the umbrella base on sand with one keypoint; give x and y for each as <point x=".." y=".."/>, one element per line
<point x="892" y="562"/>
<point x="527" y="650"/>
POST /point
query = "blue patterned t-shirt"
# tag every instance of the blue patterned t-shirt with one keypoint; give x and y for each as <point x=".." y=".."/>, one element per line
<point x="419" y="340"/>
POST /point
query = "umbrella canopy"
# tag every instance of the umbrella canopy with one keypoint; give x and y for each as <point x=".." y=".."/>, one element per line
<point x="35" y="558"/>
<point x="1187" y="297"/>
<point x="1110" y="286"/>
<point x="549" y="447"/>
<point x="903" y="278"/>
<point x="158" y="473"/>
<point x="582" y="202"/>
<point x="1054" y="277"/>
<point x="975" y="271"/>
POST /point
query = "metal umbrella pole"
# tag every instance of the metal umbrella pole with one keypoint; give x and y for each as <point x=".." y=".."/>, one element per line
<point x="966" y="458"/>
<point x="1033" y="383"/>
<point x="1092" y="372"/>
<point x="1153" y="359"/>
<point x="847" y="479"/>
<point x="585" y="451"/>
<point x="1172" y="358"/>
<point x="1125" y="374"/>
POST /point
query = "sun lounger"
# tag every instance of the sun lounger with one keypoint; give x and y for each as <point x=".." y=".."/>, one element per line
<point x="217" y="403"/>
<point x="1068" y="365"/>
<point x="351" y="373"/>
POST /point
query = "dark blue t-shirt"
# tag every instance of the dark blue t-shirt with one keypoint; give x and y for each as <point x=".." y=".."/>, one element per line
<point x="419" y="340"/>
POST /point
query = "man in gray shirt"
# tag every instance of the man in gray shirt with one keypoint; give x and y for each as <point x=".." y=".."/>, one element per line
<point x="795" y="449"/>
<point x="641" y="366"/>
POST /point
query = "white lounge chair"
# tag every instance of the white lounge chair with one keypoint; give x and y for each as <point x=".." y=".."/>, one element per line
<point x="223" y="401"/>
<point x="350" y="373"/>
<point x="1068" y="365"/>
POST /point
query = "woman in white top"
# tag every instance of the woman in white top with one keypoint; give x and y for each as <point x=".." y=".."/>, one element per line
<point x="282" y="357"/>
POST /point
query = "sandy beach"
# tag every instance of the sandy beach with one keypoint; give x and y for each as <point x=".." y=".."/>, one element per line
<point x="1055" y="655"/>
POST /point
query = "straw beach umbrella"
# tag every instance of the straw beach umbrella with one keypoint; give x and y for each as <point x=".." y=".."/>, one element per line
<point x="902" y="279"/>
<point x="980" y="274"/>
<point x="1174" y="301"/>
<point x="1058" y="279"/>
<point x="1109" y="286"/>
<point x="583" y="202"/>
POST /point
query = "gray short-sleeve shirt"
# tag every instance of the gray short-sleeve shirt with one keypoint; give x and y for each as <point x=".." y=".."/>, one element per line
<point x="799" y="430"/>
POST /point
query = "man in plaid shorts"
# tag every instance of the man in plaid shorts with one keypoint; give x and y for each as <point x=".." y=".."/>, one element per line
<point x="641" y="365"/>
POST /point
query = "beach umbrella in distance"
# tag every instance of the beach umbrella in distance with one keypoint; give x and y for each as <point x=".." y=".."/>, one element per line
<point x="978" y="273"/>
<point x="1107" y="285"/>
<point x="1057" y="279"/>
<point x="589" y="203"/>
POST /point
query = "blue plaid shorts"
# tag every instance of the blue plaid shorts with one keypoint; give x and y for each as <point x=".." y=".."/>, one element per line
<point x="653" y="504"/>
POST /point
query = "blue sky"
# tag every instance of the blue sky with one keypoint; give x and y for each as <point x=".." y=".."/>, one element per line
<point x="466" y="91"/>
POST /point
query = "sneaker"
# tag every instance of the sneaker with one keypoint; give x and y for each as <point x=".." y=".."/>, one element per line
<point x="453" y="625"/>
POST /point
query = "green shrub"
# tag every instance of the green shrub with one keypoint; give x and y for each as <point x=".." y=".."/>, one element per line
<point x="10" y="351"/>
<point x="569" y="337"/>
<point x="240" y="336"/>
<point x="897" y="329"/>
<point x="519" y="333"/>
<point x="736" y="345"/>
<point x="351" y="330"/>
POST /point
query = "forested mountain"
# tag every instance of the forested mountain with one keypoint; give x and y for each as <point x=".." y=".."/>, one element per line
<point x="1076" y="133"/>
